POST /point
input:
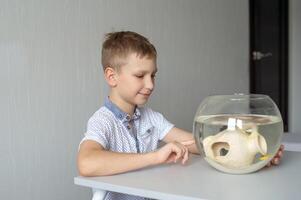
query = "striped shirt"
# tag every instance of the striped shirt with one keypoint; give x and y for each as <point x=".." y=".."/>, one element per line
<point x="116" y="131"/>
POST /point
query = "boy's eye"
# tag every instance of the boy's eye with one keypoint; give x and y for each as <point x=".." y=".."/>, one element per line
<point x="139" y="76"/>
<point x="153" y="75"/>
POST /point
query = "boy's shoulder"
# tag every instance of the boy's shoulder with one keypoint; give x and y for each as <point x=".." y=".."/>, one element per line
<point x="147" y="112"/>
<point x="102" y="115"/>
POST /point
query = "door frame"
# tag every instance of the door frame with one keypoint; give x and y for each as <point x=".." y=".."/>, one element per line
<point x="283" y="53"/>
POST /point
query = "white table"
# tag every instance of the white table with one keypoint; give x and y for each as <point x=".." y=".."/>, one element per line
<point x="197" y="180"/>
<point x="292" y="141"/>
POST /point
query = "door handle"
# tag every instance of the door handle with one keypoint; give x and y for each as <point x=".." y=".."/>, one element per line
<point x="257" y="55"/>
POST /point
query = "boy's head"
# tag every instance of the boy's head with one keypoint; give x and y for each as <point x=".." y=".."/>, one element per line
<point x="119" y="45"/>
<point x="129" y="62"/>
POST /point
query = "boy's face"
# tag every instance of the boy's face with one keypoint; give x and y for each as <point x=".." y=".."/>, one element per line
<point x="135" y="80"/>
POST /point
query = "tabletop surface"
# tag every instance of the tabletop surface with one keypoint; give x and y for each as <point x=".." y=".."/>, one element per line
<point x="197" y="180"/>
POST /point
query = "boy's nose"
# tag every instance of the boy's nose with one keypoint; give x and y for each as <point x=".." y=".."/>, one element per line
<point x="149" y="84"/>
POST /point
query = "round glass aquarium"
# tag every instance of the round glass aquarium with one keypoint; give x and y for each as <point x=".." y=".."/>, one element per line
<point x="238" y="133"/>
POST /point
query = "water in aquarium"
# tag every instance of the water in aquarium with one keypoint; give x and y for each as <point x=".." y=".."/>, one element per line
<point x="269" y="127"/>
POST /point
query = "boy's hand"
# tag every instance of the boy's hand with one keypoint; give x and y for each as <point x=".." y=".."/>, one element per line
<point x="172" y="152"/>
<point x="277" y="157"/>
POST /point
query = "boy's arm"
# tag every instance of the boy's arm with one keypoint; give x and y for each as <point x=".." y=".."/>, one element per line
<point x="183" y="137"/>
<point x="94" y="160"/>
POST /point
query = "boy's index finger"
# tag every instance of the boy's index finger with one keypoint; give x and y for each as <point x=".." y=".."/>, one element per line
<point x="188" y="142"/>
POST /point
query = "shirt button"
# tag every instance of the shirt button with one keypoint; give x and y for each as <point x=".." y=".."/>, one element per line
<point x="148" y="131"/>
<point x="128" y="127"/>
<point x="128" y="117"/>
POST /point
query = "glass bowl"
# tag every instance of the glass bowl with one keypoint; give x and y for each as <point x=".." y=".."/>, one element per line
<point x="238" y="133"/>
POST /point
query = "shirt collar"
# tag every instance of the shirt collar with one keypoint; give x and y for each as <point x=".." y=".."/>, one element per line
<point x="124" y="117"/>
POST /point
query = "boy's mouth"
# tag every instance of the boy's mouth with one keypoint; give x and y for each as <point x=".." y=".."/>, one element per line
<point x="145" y="94"/>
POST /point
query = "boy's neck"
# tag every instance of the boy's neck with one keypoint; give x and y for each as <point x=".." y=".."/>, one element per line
<point x="125" y="107"/>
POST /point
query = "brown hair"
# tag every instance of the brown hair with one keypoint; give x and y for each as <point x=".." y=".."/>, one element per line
<point x="118" y="45"/>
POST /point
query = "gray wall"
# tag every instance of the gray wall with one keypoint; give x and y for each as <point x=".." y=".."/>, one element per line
<point x="51" y="80"/>
<point x="295" y="66"/>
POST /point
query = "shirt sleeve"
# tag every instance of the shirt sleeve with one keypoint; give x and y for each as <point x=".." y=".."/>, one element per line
<point x="97" y="131"/>
<point x="160" y="122"/>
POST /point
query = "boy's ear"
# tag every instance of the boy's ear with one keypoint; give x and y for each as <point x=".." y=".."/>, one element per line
<point x="110" y="76"/>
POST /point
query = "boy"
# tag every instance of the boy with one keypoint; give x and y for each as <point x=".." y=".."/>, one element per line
<point x="121" y="136"/>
